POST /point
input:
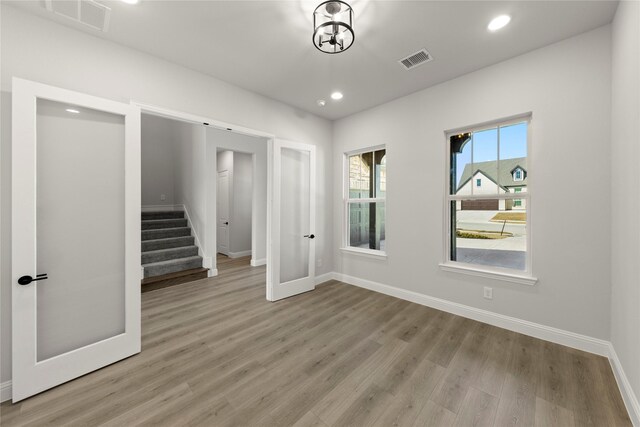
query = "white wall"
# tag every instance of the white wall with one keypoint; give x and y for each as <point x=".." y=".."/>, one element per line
<point x="190" y="175"/>
<point x="157" y="161"/>
<point x="568" y="88"/>
<point x="240" y="240"/>
<point x="41" y="50"/>
<point x="625" y="190"/>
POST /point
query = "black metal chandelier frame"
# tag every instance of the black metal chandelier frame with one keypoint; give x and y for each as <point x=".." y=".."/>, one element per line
<point x="332" y="38"/>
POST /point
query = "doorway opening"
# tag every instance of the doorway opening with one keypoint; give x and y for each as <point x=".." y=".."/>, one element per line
<point x="184" y="227"/>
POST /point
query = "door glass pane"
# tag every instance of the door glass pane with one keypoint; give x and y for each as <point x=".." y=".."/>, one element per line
<point x="79" y="227"/>
<point x="294" y="214"/>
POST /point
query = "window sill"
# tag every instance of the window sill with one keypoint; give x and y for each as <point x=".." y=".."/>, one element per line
<point x="489" y="274"/>
<point x="369" y="253"/>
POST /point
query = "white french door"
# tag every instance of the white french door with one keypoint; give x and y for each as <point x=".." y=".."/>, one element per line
<point x="76" y="235"/>
<point x="291" y="269"/>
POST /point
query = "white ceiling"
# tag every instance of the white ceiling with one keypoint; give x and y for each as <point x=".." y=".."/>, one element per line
<point x="265" y="46"/>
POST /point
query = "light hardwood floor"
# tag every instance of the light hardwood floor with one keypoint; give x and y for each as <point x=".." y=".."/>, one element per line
<point x="215" y="352"/>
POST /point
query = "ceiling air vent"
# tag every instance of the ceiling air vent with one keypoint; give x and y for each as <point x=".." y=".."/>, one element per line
<point x="415" y="59"/>
<point x="86" y="12"/>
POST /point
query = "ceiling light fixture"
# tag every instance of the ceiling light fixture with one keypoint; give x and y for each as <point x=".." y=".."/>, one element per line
<point x="321" y="102"/>
<point x="499" y="22"/>
<point x="333" y="27"/>
<point x="131" y="1"/>
<point x="336" y="96"/>
<point x="71" y="110"/>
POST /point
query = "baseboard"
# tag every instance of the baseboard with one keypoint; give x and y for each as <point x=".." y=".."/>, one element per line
<point x="324" y="278"/>
<point x="153" y="208"/>
<point x="5" y="391"/>
<point x="547" y="333"/>
<point x="628" y="395"/>
<point x="213" y="272"/>
<point x="258" y="262"/>
<point x="239" y="254"/>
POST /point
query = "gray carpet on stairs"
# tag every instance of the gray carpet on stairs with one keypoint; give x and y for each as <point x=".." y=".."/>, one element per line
<point x="167" y="244"/>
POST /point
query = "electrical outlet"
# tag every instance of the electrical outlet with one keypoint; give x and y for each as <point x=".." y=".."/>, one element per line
<point x="163" y="197"/>
<point x="488" y="292"/>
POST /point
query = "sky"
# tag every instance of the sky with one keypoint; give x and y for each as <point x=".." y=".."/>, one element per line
<point x="484" y="144"/>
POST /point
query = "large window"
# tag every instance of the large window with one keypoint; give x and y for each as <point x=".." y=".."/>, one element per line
<point x="366" y="187"/>
<point x="488" y="224"/>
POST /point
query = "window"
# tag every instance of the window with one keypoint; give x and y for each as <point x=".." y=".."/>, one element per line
<point x="478" y="182"/>
<point x="487" y="225"/>
<point x="366" y="187"/>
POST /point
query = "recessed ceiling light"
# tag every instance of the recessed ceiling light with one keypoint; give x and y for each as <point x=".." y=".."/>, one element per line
<point x="71" y="110"/>
<point x="321" y="102"/>
<point x="499" y="22"/>
<point x="131" y="1"/>
<point x="336" y="96"/>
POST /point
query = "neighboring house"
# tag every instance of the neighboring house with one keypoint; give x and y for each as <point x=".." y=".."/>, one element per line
<point x="493" y="177"/>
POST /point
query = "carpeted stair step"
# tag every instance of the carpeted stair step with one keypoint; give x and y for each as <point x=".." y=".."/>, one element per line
<point x="155" y="224"/>
<point x="165" y="233"/>
<point x="171" y="242"/>
<point x="171" y="266"/>
<point x="162" y="215"/>
<point x="168" y="254"/>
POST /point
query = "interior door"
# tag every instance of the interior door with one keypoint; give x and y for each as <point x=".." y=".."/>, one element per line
<point x="76" y="235"/>
<point x="291" y="266"/>
<point x="223" y="212"/>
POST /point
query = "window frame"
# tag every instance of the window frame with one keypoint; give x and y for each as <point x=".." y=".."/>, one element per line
<point x="346" y="201"/>
<point x="525" y="276"/>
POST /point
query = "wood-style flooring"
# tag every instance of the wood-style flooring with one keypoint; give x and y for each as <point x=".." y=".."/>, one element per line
<point x="216" y="353"/>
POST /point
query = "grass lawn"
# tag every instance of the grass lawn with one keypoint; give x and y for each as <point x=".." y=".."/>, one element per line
<point x="510" y="216"/>
<point x="473" y="234"/>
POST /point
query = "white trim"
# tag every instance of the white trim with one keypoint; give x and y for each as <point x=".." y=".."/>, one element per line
<point x="547" y="333"/>
<point x="511" y="120"/>
<point x="5" y="391"/>
<point x="628" y="396"/>
<point x="370" y="253"/>
<point x="194" y="118"/>
<point x="258" y="262"/>
<point x="213" y="272"/>
<point x="239" y="254"/>
<point x="324" y="278"/>
<point x="156" y="208"/>
<point x="468" y="269"/>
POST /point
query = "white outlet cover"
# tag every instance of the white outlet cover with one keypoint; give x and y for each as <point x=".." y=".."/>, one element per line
<point x="488" y="292"/>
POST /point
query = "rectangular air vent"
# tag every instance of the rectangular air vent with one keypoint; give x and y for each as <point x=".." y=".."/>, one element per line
<point x="86" y="12"/>
<point x="415" y="59"/>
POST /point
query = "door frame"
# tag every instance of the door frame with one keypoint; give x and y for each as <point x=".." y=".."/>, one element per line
<point x="28" y="375"/>
<point x="211" y="185"/>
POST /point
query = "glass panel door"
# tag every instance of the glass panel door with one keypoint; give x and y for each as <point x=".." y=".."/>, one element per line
<point x="76" y="235"/>
<point x="290" y="268"/>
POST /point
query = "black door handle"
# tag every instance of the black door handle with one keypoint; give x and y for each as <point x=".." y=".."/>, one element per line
<point x="311" y="236"/>
<point x="25" y="280"/>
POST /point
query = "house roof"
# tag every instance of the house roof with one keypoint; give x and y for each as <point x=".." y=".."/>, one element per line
<point x="490" y="169"/>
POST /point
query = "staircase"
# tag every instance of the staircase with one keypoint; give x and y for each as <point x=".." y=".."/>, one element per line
<point x="169" y="255"/>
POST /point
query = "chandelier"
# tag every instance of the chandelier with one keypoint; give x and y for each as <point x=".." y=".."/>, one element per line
<point x="333" y="26"/>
